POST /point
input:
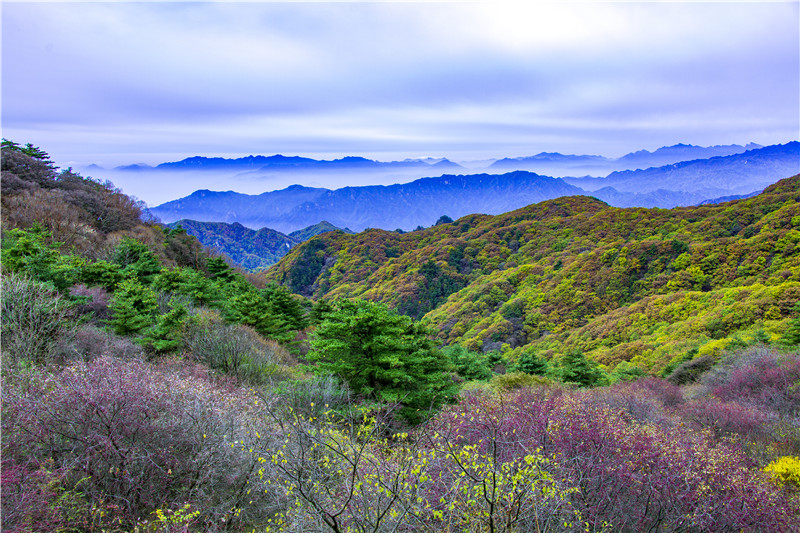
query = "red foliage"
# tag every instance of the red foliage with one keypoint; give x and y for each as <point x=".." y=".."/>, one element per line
<point x="638" y="475"/>
<point x="132" y="434"/>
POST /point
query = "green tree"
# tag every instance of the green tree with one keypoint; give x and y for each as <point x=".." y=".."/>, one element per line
<point x="252" y="309"/>
<point x="133" y="307"/>
<point x="382" y="356"/>
<point x="165" y="335"/>
<point x="286" y="306"/>
<point x="29" y="149"/>
<point x="219" y="270"/>
<point x="188" y="282"/>
<point x="791" y="337"/>
<point x="468" y="364"/>
<point x="575" y="367"/>
<point x="530" y="363"/>
<point x="30" y="252"/>
<point x="136" y="260"/>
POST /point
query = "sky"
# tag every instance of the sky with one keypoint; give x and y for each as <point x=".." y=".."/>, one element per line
<point x="120" y="83"/>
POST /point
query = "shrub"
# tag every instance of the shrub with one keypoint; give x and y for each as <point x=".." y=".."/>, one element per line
<point x="727" y="417"/>
<point x="35" y="319"/>
<point x="690" y="371"/>
<point x="235" y="350"/>
<point x="90" y="342"/>
<point x="314" y="396"/>
<point x="135" y="435"/>
<point x="634" y="476"/>
<point x="646" y="400"/>
<point x="758" y="376"/>
<point x="91" y="301"/>
<point x="43" y="500"/>
<point x="516" y="380"/>
<point x="352" y="477"/>
<point x="785" y="471"/>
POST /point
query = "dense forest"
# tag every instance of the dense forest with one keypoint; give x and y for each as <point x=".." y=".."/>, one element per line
<point x="487" y="374"/>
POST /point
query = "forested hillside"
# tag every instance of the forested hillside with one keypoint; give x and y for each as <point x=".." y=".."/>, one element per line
<point x="647" y="286"/>
<point x="248" y="248"/>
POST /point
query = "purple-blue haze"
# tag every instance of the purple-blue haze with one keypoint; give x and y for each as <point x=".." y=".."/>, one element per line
<point x="149" y="82"/>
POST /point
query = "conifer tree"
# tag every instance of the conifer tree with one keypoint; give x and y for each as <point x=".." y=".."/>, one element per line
<point x="791" y="336"/>
<point x="530" y="363"/>
<point x="575" y="367"/>
<point x="382" y="356"/>
<point x="133" y="307"/>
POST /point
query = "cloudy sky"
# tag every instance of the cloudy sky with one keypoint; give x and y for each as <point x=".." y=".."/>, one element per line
<point x="120" y="83"/>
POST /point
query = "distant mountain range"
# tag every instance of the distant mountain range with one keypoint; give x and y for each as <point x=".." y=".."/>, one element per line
<point x="595" y="164"/>
<point x="280" y="162"/>
<point x="404" y="206"/>
<point x="423" y="201"/>
<point x="544" y="162"/>
<point x="251" y="249"/>
<point x="717" y="176"/>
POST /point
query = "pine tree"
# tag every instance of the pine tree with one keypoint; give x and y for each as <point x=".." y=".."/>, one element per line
<point x="575" y="367"/>
<point x="791" y="337"/>
<point x="165" y="334"/>
<point x="382" y="356"/>
<point x="285" y="305"/>
<point x="467" y="364"/>
<point x="530" y="363"/>
<point x="252" y="308"/>
<point x="133" y="307"/>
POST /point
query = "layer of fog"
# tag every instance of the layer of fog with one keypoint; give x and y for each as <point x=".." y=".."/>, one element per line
<point x="157" y="186"/>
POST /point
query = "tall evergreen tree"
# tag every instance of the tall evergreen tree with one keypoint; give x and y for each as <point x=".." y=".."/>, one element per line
<point x="133" y="307"/>
<point x="575" y="367"/>
<point x="382" y="356"/>
<point x="530" y="363"/>
<point x="791" y="336"/>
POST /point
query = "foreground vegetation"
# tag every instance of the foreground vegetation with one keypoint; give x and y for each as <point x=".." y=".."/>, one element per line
<point x="149" y="386"/>
<point x="109" y="444"/>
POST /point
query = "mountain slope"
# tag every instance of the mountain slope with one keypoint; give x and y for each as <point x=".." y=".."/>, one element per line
<point x="250" y="249"/>
<point x="250" y="210"/>
<point x="641" y="285"/>
<point x="423" y="201"/>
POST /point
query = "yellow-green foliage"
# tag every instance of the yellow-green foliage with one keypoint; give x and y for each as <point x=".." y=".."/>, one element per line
<point x="353" y="478"/>
<point x="785" y="471"/>
<point x="517" y="380"/>
<point x="641" y="285"/>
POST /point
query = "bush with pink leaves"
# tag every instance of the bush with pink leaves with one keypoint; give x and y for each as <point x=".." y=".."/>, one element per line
<point x="132" y="435"/>
<point x="635" y="475"/>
